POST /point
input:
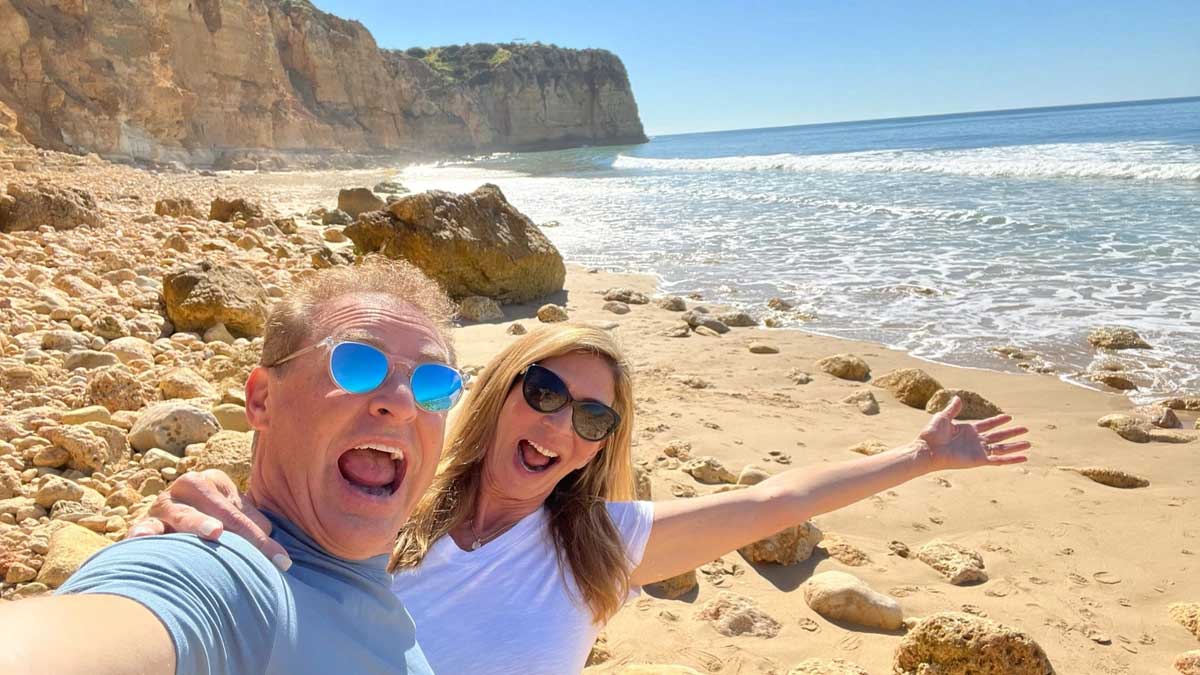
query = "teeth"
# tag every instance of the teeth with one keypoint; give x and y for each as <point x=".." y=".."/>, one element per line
<point x="395" y="452"/>
<point x="544" y="451"/>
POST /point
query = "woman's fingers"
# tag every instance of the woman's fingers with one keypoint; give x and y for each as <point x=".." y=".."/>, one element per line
<point x="1008" y="448"/>
<point x="145" y="527"/>
<point x="1003" y="434"/>
<point x="1004" y="460"/>
<point x="991" y="423"/>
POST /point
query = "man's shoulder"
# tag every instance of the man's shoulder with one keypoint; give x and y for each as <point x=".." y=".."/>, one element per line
<point x="229" y="570"/>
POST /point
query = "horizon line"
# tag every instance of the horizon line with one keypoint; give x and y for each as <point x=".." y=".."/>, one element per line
<point x="934" y="116"/>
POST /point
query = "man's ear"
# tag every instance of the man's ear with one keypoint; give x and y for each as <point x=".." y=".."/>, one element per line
<point x="257" y="391"/>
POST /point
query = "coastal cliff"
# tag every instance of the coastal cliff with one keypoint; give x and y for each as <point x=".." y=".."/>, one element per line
<point x="214" y="82"/>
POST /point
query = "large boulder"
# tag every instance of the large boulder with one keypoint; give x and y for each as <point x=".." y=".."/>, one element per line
<point x="472" y="244"/>
<point x="226" y="210"/>
<point x="358" y="200"/>
<point x="954" y="643"/>
<point x="911" y="386"/>
<point x="70" y="546"/>
<point x="793" y="545"/>
<point x="839" y="596"/>
<point x="172" y="426"/>
<point x="1116" y="337"/>
<point x="202" y="295"/>
<point x="228" y="451"/>
<point x="28" y="207"/>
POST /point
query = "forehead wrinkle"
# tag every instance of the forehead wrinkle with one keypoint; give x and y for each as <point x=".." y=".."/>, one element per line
<point x="429" y="344"/>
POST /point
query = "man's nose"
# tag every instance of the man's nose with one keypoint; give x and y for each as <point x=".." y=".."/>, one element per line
<point x="394" y="399"/>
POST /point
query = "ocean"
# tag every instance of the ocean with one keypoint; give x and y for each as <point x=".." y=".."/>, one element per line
<point x="944" y="236"/>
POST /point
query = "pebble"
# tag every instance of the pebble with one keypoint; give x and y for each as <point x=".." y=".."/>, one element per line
<point x="839" y="596"/>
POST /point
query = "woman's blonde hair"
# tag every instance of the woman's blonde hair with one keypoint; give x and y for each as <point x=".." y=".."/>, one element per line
<point x="584" y="535"/>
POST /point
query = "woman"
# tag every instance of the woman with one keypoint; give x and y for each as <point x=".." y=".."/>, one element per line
<point x="526" y="544"/>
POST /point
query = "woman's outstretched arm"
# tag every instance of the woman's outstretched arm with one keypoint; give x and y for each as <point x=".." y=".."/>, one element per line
<point x="690" y="532"/>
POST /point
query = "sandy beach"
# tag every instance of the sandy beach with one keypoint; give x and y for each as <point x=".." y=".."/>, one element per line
<point x="1085" y="569"/>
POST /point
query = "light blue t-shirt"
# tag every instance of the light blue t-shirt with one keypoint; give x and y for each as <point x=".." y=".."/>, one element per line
<point x="229" y="610"/>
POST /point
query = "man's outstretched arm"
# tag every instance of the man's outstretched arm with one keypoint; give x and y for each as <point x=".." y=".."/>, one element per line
<point x="92" y="634"/>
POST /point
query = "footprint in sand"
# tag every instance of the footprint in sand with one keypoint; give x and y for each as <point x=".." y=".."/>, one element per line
<point x="1066" y="551"/>
<point x="849" y="643"/>
<point x="1106" y="578"/>
<point x="1078" y="579"/>
<point x="809" y="625"/>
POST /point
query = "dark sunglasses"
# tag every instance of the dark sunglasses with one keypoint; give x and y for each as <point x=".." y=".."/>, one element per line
<point x="545" y="392"/>
<point x="359" y="368"/>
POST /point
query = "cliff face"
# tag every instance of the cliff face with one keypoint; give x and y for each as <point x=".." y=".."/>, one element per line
<point x="202" y="80"/>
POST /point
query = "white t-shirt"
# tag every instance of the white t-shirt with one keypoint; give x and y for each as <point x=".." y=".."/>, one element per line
<point x="504" y="608"/>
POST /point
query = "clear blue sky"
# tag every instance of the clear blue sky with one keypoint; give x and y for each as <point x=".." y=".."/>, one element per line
<point x="701" y="65"/>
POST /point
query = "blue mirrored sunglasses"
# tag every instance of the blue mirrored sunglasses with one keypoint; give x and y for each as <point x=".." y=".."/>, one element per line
<point x="359" y="368"/>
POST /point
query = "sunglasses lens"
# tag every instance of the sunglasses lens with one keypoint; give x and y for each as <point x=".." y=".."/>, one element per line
<point x="593" y="421"/>
<point x="544" y="391"/>
<point x="436" y="387"/>
<point x="357" y="368"/>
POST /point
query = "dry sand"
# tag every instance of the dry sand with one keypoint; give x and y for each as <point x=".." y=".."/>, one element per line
<point x="1086" y="569"/>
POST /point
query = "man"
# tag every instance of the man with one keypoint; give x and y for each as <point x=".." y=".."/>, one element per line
<point x="348" y="431"/>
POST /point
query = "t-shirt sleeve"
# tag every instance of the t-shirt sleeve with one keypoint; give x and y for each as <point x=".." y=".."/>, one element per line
<point x="221" y="602"/>
<point x="634" y="521"/>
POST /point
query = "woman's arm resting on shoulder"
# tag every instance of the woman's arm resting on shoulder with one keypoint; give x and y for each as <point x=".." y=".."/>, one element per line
<point x="690" y="532"/>
<point x="84" y="634"/>
<point x="205" y="504"/>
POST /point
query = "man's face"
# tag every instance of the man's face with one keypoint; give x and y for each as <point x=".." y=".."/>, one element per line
<point x="318" y="460"/>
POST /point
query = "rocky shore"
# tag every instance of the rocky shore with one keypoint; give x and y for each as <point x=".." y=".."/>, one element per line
<point x="131" y="304"/>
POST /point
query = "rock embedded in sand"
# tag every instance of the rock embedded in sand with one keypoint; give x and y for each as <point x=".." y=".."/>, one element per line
<point x="551" y="314"/>
<point x="709" y="470"/>
<point x="697" y="320"/>
<point x="846" y="367"/>
<point x="28" y="207"/>
<point x="336" y="217"/>
<point x="1114" y="337"/>
<point x="616" y="307"/>
<point x="839" y="596"/>
<point x="752" y="475"/>
<point x="471" y="244"/>
<point x="955" y="643"/>
<point x="172" y="426"/>
<point x="202" y="295"/>
<point x="478" y="308"/>
<point x="1113" y="380"/>
<point x="227" y="210"/>
<point x="846" y="553"/>
<point x="1186" y="614"/>
<point x="672" y="303"/>
<point x="869" y="447"/>
<point x="676" y="586"/>
<point x="1181" y="403"/>
<point x="974" y="406"/>
<point x="732" y="614"/>
<point x="1188" y="663"/>
<point x="678" y="331"/>
<point x="1127" y="426"/>
<point x="626" y="295"/>
<point x="819" y="666"/>
<point x="641" y="483"/>
<point x="358" y="200"/>
<point x="798" y="376"/>
<point x="181" y="207"/>
<point x="1110" y="477"/>
<point x="737" y="319"/>
<point x="70" y="545"/>
<point x="779" y="304"/>
<point x="865" y="402"/>
<point x="1157" y="415"/>
<point x="911" y="386"/>
<point x="705" y="331"/>
<point x="516" y="329"/>
<point x="959" y="564"/>
<point x="792" y="545"/>
<point x="600" y="652"/>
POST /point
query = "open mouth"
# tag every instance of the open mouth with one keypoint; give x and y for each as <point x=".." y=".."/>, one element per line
<point x="534" y="457"/>
<point x="377" y="470"/>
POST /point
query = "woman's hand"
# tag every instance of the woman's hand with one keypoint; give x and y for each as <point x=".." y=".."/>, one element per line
<point x="205" y="504"/>
<point x="962" y="445"/>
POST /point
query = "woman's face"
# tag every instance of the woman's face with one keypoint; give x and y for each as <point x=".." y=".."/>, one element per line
<point x="532" y="450"/>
